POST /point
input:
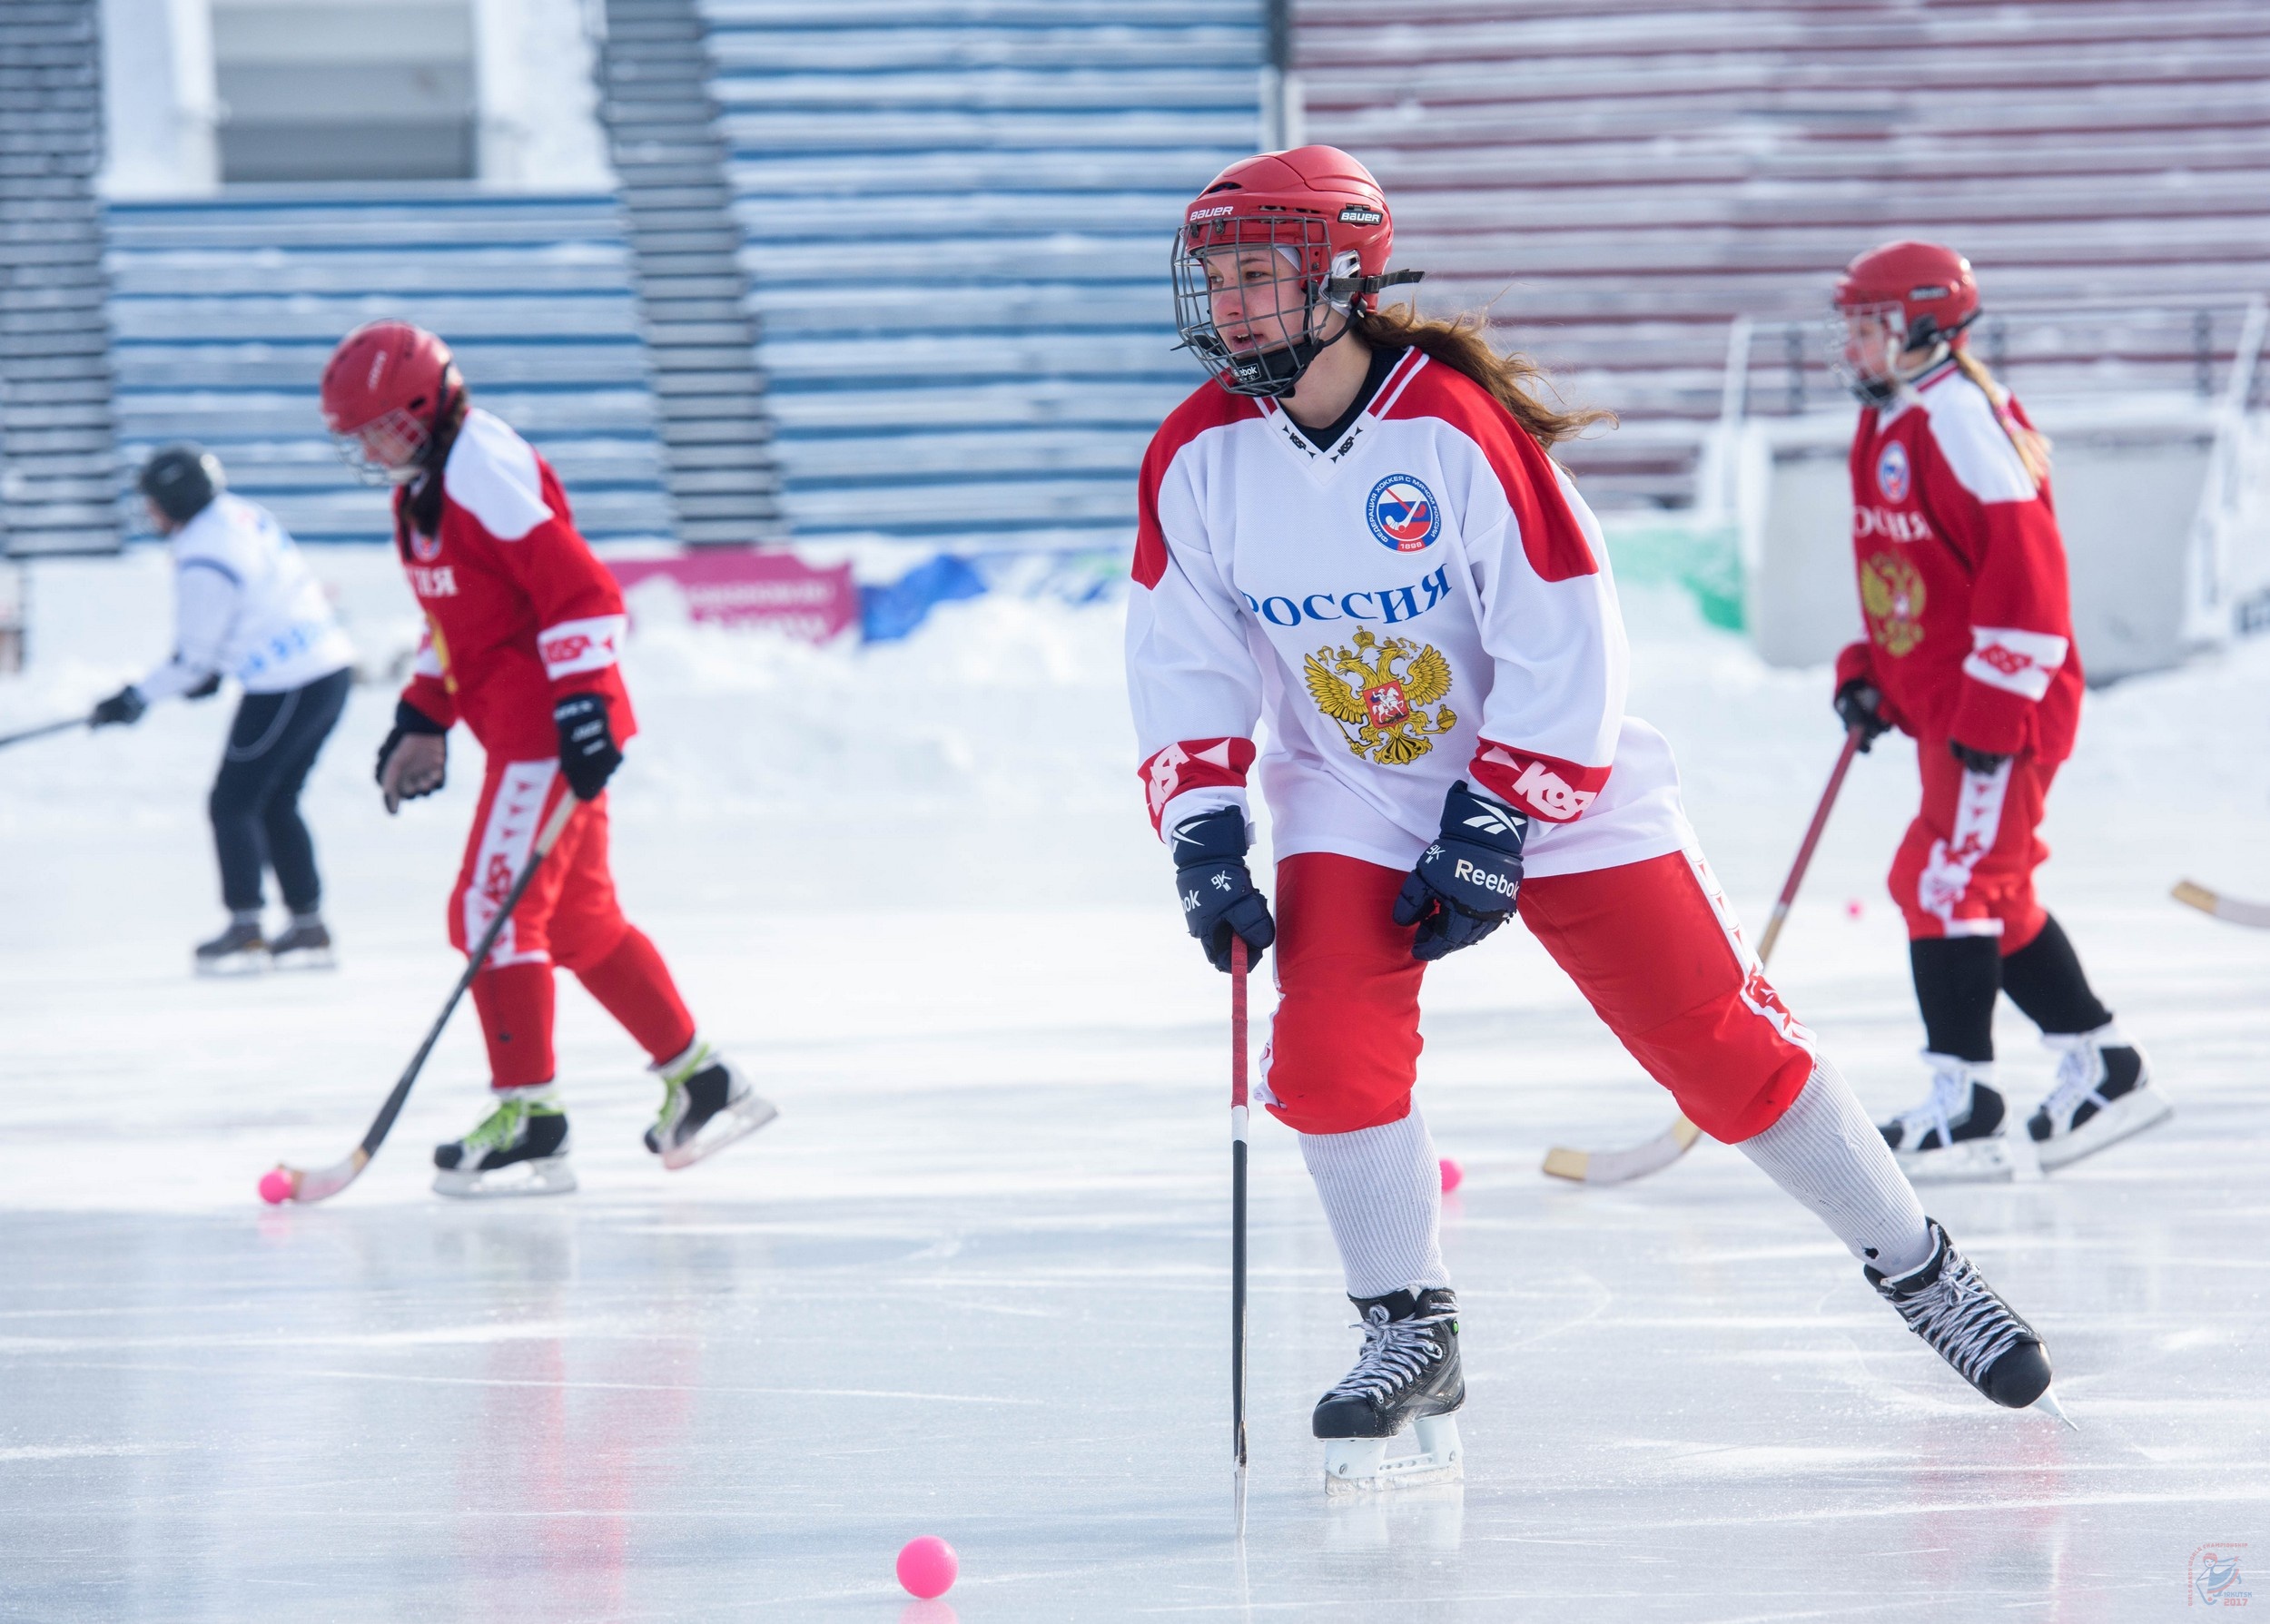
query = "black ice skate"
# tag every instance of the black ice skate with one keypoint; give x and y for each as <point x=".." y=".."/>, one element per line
<point x="2103" y="1094"/>
<point x="520" y="1148"/>
<point x="1408" y="1374"/>
<point x="302" y="945"/>
<point x="1957" y="1136"/>
<point x="707" y="1104"/>
<point x="238" y="951"/>
<point x="1947" y="1304"/>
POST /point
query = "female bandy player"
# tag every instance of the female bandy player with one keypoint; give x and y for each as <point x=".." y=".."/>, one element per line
<point x="1969" y="648"/>
<point x="523" y="625"/>
<point x="1354" y="530"/>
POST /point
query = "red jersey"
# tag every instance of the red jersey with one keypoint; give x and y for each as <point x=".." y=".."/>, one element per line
<point x="519" y="612"/>
<point x="1963" y="577"/>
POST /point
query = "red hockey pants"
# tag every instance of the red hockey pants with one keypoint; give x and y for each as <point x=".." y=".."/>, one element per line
<point x="569" y="916"/>
<point x="1651" y="945"/>
<point x="1966" y="867"/>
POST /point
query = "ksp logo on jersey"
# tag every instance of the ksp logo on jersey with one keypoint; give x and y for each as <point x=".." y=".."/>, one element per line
<point x="1402" y="514"/>
<point x="1892" y="472"/>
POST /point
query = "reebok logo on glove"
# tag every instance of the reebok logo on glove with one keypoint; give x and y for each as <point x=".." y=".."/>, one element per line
<point x="1218" y="901"/>
<point x="1489" y="880"/>
<point x="1467" y="881"/>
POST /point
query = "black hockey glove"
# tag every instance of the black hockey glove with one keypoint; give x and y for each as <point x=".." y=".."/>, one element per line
<point x="1855" y="705"/>
<point x="1467" y="881"/>
<point x="587" y="753"/>
<point x="1218" y="901"/>
<point x="1975" y="761"/>
<point x="406" y="774"/>
<point x="122" y="708"/>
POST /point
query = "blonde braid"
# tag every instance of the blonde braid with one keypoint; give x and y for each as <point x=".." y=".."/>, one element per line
<point x="2033" y="449"/>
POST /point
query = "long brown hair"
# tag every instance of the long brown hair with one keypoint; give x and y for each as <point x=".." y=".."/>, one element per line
<point x="2032" y="447"/>
<point x="1463" y="344"/>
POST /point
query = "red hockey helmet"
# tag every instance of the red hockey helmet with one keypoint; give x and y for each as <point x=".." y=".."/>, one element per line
<point x="1932" y="287"/>
<point x="386" y="390"/>
<point x="1268" y="251"/>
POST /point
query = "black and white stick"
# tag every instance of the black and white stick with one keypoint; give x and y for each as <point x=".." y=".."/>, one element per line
<point x="283" y="1184"/>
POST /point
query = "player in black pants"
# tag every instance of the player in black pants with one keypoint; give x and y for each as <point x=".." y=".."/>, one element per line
<point x="246" y="606"/>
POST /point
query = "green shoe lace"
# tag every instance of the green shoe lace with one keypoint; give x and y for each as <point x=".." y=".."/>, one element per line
<point x="502" y="1126"/>
<point x="673" y="1080"/>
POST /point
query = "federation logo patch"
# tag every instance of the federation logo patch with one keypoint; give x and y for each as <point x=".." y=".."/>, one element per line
<point x="1892" y="472"/>
<point x="423" y="548"/>
<point x="1402" y="514"/>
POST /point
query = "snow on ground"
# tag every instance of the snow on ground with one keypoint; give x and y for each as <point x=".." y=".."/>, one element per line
<point x="973" y="1282"/>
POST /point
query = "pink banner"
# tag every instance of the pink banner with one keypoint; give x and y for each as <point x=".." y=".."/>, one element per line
<point x="735" y="587"/>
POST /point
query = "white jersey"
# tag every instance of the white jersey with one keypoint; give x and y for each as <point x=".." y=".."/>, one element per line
<point x="1426" y="600"/>
<point x="245" y="606"/>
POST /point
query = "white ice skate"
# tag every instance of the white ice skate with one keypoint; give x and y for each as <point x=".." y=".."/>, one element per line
<point x="2103" y="1094"/>
<point x="520" y="1148"/>
<point x="1958" y="1136"/>
<point x="707" y="1104"/>
<point x="1409" y="1374"/>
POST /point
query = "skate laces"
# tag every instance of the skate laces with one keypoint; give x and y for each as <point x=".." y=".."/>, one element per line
<point x="1959" y="1315"/>
<point x="500" y="1127"/>
<point x="675" y="1100"/>
<point x="1950" y="1093"/>
<point x="2080" y="1067"/>
<point x="1396" y="1354"/>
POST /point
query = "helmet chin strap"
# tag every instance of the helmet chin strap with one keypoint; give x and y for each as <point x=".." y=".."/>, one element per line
<point x="1275" y="372"/>
<point x="1883" y="392"/>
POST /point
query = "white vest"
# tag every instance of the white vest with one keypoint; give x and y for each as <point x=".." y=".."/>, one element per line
<point x="247" y="606"/>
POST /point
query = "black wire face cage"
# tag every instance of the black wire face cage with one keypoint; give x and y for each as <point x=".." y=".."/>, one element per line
<point x="1295" y="301"/>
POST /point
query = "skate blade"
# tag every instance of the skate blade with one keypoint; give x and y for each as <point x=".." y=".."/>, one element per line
<point x="2048" y="1404"/>
<point x="2124" y="1118"/>
<point x="235" y="964"/>
<point x="738" y="1121"/>
<point x="1972" y="1161"/>
<point x="305" y="959"/>
<point x="1362" y="1465"/>
<point x="548" y="1176"/>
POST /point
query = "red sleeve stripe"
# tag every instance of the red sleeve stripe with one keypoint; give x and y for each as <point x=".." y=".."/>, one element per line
<point x="1193" y="764"/>
<point x="1542" y="785"/>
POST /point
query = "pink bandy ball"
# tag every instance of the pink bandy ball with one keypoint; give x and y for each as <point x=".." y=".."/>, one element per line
<point x="1853" y="910"/>
<point x="275" y="1186"/>
<point x="1453" y="1176"/>
<point x="927" y="1567"/>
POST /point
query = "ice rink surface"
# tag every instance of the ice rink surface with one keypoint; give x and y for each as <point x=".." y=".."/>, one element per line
<point x="973" y="1283"/>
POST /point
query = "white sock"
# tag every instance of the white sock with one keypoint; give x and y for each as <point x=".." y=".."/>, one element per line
<point x="1825" y="1152"/>
<point x="1382" y="1191"/>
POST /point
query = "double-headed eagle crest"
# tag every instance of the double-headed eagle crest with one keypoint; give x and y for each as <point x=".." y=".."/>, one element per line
<point x="1892" y="595"/>
<point x="1381" y="710"/>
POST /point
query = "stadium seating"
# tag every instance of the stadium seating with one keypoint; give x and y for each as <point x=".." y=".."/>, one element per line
<point x="225" y="310"/>
<point x="957" y="221"/>
<point x="1617" y="179"/>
